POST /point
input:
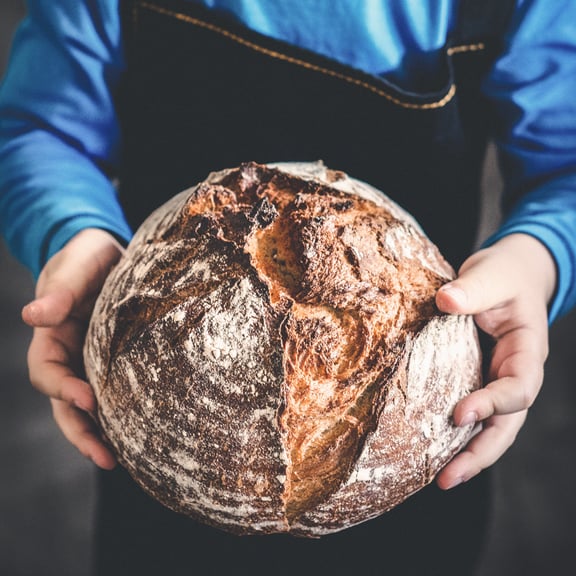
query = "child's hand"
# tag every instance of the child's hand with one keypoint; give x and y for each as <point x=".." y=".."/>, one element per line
<point x="507" y="288"/>
<point x="65" y="294"/>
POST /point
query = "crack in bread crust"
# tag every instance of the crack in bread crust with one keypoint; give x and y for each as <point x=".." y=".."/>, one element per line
<point x="353" y="304"/>
<point x="264" y="348"/>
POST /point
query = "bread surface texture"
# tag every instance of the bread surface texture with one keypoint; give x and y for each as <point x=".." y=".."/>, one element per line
<point x="267" y="356"/>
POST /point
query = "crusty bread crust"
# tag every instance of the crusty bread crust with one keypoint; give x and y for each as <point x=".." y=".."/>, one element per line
<point x="267" y="357"/>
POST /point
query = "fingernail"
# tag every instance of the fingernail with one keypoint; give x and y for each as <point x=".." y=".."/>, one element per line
<point x="83" y="408"/>
<point x="469" y="418"/>
<point x="457" y="294"/>
<point x="456" y="482"/>
<point x="30" y="313"/>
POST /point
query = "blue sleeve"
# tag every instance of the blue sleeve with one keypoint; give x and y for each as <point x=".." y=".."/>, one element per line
<point x="533" y="88"/>
<point x="59" y="135"/>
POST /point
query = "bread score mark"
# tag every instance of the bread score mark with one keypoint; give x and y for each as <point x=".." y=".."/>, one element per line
<point x="344" y="307"/>
<point x="350" y="308"/>
<point x="268" y="356"/>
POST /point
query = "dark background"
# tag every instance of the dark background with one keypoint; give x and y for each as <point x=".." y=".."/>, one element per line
<point x="47" y="489"/>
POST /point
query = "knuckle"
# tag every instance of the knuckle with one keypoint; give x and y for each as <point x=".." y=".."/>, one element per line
<point x="45" y="385"/>
<point x="528" y="397"/>
<point x="36" y="383"/>
<point x="531" y="387"/>
<point x="475" y="470"/>
<point x="37" y="379"/>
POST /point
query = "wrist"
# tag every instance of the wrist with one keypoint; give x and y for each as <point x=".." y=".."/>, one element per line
<point x="87" y="257"/>
<point x="532" y="261"/>
<point x="68" y="231"/>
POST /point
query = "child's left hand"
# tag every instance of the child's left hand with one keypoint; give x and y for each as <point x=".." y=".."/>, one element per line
<point x="507" y="288"/>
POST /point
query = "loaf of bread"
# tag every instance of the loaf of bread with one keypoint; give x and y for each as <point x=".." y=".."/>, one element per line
<point x="267" y="356"/>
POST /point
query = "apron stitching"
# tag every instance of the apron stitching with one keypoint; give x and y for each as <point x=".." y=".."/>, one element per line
<point x="466" y="48"/>
<point x="278" y="55"/>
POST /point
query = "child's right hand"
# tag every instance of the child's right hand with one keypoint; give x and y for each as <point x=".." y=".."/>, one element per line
<point x="65" y="294"/>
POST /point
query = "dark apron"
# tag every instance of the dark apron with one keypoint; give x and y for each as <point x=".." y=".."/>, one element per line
<point x="202" y="93"/>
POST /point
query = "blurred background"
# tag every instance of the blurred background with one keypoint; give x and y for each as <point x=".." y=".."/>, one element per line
<point x="47" y="489"/>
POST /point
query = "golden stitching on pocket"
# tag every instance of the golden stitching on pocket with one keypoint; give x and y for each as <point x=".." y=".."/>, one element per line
<point x="466" y="48"/>
<point x="302" y="63"/>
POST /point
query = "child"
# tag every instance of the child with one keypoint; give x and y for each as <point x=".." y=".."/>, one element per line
<point x="402" y="95"/>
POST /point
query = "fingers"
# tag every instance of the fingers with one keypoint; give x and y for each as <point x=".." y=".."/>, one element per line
<point x="506" y="288"/>
<point x="65" y="294"/>
<point x="522" y="350"/>
<point x="483" y="450"/>
<point x="493" y="277"/>
<point x="49" y="310"/>
<point x="51" y="372"/>
<point x="81" y="432"/>
<point x="72" y="278"/>
<point x="53" y="358"/>
<point x="516" y="373"/>
<point x="502" y="407"/>
<point x="482" y="285"/>
<point x="55" y="361"/>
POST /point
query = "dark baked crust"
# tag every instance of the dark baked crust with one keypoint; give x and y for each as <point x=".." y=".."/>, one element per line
<point x="268" y="357"/>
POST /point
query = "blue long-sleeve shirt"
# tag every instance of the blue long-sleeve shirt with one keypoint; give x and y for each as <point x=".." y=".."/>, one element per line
<point x="60" y="140"/>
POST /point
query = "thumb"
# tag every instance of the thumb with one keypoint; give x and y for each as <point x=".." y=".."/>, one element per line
<point x="482" y="284"/>
<point x="72" y="277"/>
<point x="49" y="310"/>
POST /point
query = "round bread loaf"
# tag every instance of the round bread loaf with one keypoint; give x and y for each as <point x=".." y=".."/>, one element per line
<point x="267" y="356"/>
